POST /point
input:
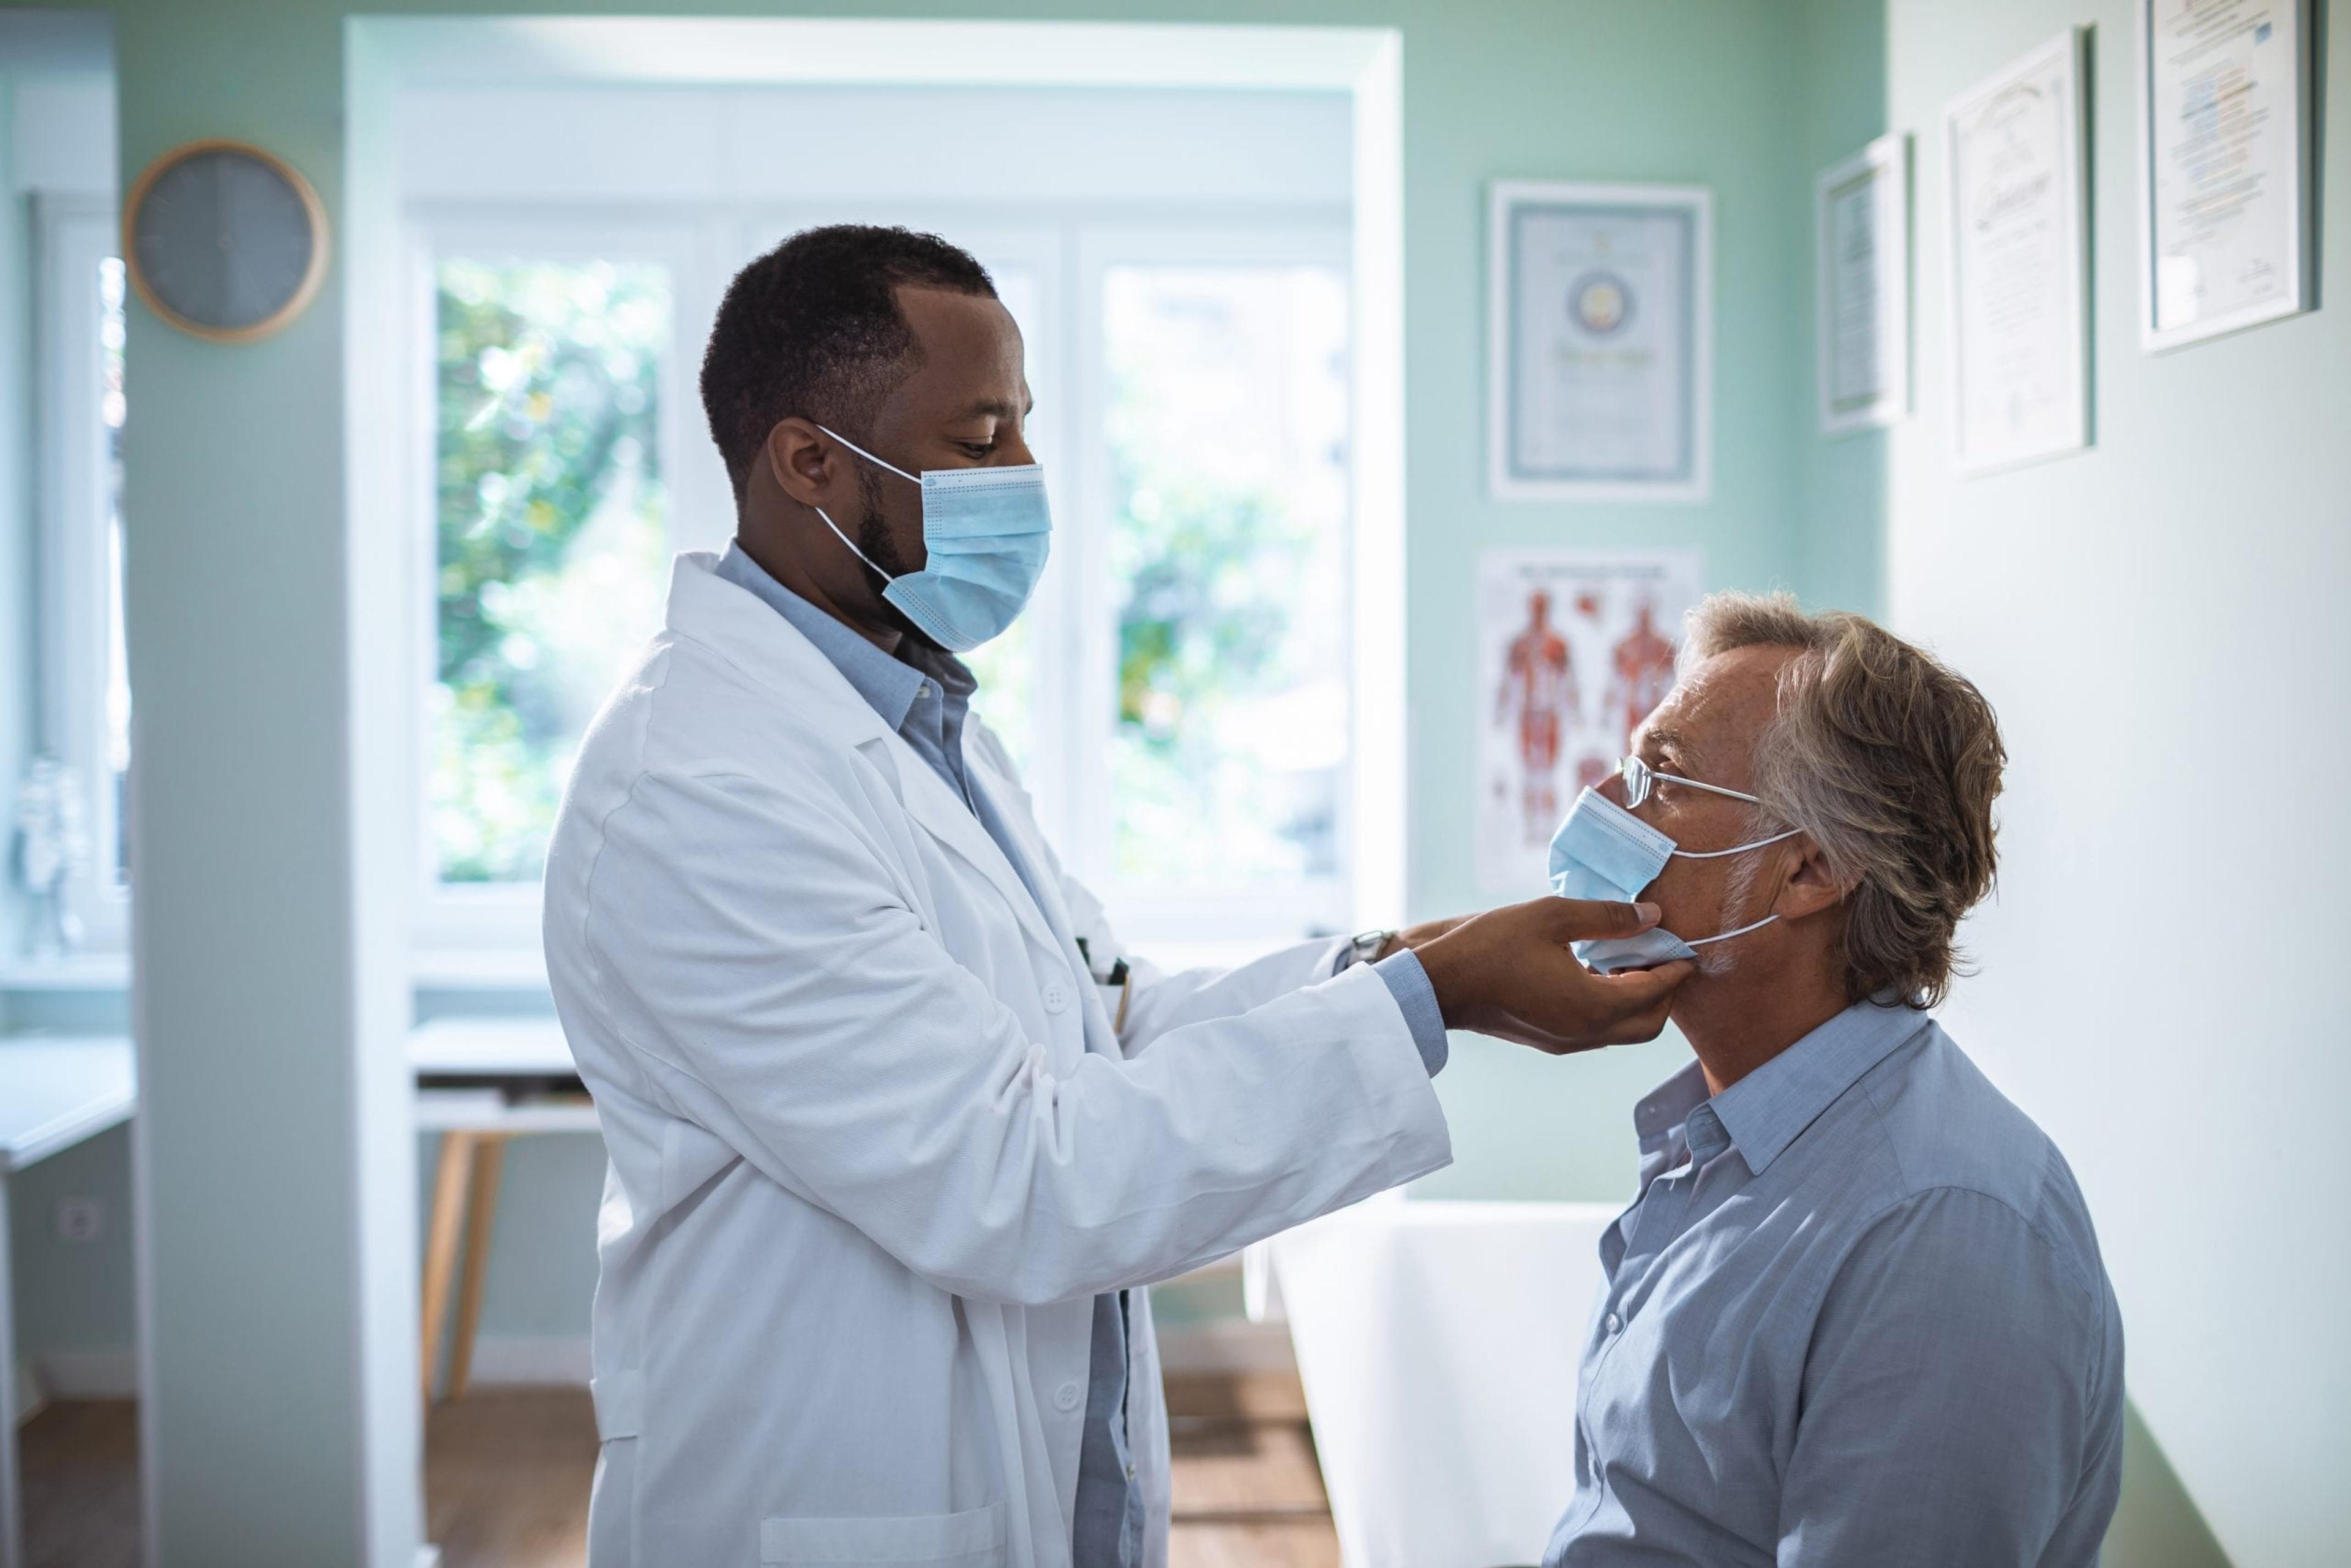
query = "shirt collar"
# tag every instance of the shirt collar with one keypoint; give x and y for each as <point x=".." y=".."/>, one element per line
<point x="1662" y="1112"/>
<point x="888" y="686"/>
<point x="1764" y="1112"/>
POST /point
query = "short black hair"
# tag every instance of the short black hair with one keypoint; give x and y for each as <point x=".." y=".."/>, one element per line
<point x="812" y="329"/>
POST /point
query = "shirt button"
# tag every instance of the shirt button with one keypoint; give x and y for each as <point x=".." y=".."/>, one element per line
<point x="924" y="690"/>
<point x="1057" y="997"/>
<point x="1066" y="1396"/>
<point x="1130" y="1473"/>
<point x="1614" y="1322"/>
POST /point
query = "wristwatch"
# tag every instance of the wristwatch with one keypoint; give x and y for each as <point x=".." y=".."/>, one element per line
<point x="1365" y="947"/>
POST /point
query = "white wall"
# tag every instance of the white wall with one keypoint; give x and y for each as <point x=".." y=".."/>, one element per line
<point x="2161" y="624"/>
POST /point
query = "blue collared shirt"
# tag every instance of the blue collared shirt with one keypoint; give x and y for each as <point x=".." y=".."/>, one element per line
<point x="925" y="696"/>
<point x="1855" y="1316"/>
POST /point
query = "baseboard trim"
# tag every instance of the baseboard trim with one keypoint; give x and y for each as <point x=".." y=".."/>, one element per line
<point x="108" y="1373"/>
<point x="30" y="1394"/>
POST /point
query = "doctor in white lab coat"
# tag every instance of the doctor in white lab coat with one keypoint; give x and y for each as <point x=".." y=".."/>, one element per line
<point x="896" y="1126"/>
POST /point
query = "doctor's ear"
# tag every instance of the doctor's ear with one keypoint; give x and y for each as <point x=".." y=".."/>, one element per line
<point x="803" y="461"/>
<point x="1812" y="884"/>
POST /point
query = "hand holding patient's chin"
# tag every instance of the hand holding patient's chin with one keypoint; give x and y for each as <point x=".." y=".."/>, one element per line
<point x="1509" y="973"/>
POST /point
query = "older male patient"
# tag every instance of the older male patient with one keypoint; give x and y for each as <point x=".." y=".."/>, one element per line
<point x="1856" y="1315"/>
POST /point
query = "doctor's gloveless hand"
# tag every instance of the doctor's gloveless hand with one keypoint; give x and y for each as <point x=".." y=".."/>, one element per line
<point x="1509" y="973"/>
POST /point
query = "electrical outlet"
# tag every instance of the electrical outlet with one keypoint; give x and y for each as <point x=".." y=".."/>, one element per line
<point x="80" y="1220"/>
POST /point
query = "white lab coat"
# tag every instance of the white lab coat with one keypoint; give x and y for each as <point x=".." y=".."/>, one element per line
<point x="865" y="1176"/>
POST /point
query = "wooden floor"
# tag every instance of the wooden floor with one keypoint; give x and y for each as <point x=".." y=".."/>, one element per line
<point x="81" y="1484"/>
<point x="505" y="1479"/>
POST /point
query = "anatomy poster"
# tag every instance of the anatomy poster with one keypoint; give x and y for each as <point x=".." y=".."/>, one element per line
<point x="1574" y="648"/>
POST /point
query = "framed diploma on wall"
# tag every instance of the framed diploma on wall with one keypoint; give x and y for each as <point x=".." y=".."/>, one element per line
<point x="1601" y="342"/>
<point x="1861" y="216"/>
<point x="2019" y="274"/>
<point x="2224" y="166"/>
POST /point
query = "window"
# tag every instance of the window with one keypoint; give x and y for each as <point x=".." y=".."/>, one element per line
<point x="550" y="533"/>
<point x="85" y="688"/>
<point x="1225" y="432"/>
<point x="545" y="386"/>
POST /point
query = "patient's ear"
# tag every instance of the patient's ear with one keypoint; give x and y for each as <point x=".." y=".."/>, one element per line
<point x="1811" y="887"/>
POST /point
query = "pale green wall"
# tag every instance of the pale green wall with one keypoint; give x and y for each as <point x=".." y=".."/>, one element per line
<point x="1751" y="100"/>
<point x="1841" y="547"/>
<point x="234" y="500"/>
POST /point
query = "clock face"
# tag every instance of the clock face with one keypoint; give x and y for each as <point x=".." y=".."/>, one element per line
<point x="225" y="241"/>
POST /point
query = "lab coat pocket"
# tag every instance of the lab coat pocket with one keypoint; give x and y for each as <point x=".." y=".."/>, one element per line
<point x="973" y="1539"/>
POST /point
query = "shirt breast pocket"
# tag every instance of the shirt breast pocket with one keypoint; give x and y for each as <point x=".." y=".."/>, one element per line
<point x="972" y="1538"/>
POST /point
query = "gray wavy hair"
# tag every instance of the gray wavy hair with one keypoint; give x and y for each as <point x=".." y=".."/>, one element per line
<point x="1889" y="760"/>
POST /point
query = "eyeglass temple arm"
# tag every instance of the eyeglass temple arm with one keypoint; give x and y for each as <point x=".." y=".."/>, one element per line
<point x="1709" y="789"/>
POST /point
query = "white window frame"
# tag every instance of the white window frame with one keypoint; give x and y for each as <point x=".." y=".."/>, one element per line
<point x="75" y="233"/>
<point x="465" y="932"/>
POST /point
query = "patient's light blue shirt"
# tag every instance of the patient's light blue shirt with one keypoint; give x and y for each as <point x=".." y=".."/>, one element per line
<point x="925" y="696"/>
<point x="1856" y="1317"/>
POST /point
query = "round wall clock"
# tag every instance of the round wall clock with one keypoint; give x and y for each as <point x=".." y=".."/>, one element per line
<point x="223" y="240"/>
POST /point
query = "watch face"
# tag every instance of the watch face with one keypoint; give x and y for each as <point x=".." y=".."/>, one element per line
<point x="222" y="239"/>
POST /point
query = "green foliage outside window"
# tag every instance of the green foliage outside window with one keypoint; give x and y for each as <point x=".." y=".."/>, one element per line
<point x="552" y="510"/>
<point x="1208" y="569"/>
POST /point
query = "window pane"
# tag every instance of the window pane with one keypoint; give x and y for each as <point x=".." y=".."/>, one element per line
<point x="551" y="515"/>
<point x="1006" y="667"/>
<point x="118" y="662"/>
<point x="1227" y="430"/>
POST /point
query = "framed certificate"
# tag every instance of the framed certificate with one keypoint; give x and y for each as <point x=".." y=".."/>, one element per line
<point x="2224" y="166"/>
<point x="1862" y="226"/>
<point x="1600" y="358"/>
<point x="2020" y="340"/>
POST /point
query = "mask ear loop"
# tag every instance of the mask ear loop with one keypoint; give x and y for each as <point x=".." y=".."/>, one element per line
<point x="877" y="462"/>
<point x="1717" y="854"/>
<point x="1727" y="935"/>
<point x="777" y="475"/>
<point x="1735" y="850"/>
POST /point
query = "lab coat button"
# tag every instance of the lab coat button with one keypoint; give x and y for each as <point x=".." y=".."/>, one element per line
<point x="1057" y="997"/>
<point x="1614" y="1322"/>
<point x="1066" y="1396"/>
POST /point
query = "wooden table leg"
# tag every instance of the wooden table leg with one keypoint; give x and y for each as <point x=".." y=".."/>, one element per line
<point x="12" y="1514"/>
<point x="449" y="1184"/>
<point x="490" y="1161"/>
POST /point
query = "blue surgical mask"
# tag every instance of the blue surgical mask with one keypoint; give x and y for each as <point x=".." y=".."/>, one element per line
<point x="1602" y="850"/>
<point x="985" y="534"/>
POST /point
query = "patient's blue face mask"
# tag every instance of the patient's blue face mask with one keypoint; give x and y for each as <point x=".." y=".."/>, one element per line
<point x="986" y="535"/>
<point x="1602" y="851"/>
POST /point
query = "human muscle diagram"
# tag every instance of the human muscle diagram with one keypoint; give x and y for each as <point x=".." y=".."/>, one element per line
<point x="1574" y="648"/>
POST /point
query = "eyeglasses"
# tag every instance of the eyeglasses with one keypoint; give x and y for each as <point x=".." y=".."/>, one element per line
<point x="1640" y="778"/>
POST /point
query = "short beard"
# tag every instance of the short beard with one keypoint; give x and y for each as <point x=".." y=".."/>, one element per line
<point x="882" y="554"/>
<point x="1717" y="960"/>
